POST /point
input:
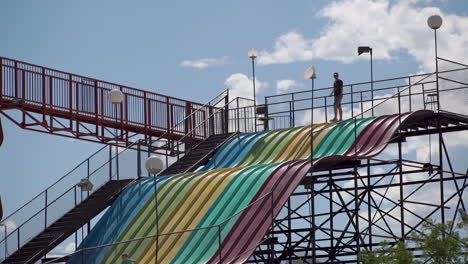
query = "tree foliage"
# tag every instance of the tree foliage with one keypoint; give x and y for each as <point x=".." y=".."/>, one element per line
<point x="434" y="244"/>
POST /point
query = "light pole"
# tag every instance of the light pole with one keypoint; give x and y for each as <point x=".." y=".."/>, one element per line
<point x="310" y="73"/>
<point x="154" y="165"/>
<point x="116" y="98"/>
<point x="362" y="50"/>
<point x="253" y="53"/>
<point x="435" y="22"/>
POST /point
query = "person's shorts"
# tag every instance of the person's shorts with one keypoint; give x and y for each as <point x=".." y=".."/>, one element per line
<point x="338" y="99"/>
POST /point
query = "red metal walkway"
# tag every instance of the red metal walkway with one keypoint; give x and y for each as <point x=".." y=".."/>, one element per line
<point x="70" y="105"/>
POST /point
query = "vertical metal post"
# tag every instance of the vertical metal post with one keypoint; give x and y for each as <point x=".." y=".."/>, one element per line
<point x="110" y="162"/>
<point x="441" y="172"/>
<point x="409" y="84"/>
<point x="356" y="209"/>
<point x="139" y="159"/>
<point x="272" y="227"/>
<point x="70" y="100"/>
<point x="442" y="210"/>
<point x="226" y="112"/>
<point x="76" y="232"/>
<point x="289" y="227"/>
<point x="254" y="93"/>
<point x="237" y="114"/>
<point x="117" y="140"/>
<point x="352" y="102"/>
<point x="372" y="82"/>
<point x="369" y="207"/>
<point x="291" y="118"/>
<point x="16" y="79"/>
<point x="293" y="111"/>
<point x="156" y="217"/>
<point x="330" y="206"/>
<point x="402" y="211"/>
<point x="314" y="255"/>
<point x="437" y="70"/>
<point x="312" y="124"/>
<point x="18" y="232"/>
<point x="45" y="210"/>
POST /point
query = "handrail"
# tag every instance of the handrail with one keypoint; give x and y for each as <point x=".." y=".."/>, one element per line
<point x="186" y="118"/>
<point x="196" y="127"/>
<point x="376" y="81"/>
<point x="88" y="78"/>
<point x="53" y="184"/>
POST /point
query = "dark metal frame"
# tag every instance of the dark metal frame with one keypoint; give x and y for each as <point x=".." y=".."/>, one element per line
<point x="327" y="222"/>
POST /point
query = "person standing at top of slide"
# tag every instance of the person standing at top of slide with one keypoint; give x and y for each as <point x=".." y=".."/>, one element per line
<point x="338" y="93"/>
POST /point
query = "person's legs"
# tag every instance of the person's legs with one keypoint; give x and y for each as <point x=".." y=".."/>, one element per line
<point x="338" y="101"/>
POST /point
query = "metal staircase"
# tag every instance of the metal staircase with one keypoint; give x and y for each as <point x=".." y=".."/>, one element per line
<point x="66" y="225"/>
<point x="199" y="155"/>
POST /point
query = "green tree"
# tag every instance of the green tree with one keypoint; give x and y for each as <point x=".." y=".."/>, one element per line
<point x="437" y="244"/>
<point x="386" y="254"/>
<point x="440" y="245"/>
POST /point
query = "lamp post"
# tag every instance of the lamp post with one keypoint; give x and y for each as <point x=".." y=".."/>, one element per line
<point x="310" y="73"/>
<point x="361" y="50"/>
<point x="154" y="165"/>
<point x="435" y="22"/>
<point x="253" y="53"/>
<point x="116" y="98"/>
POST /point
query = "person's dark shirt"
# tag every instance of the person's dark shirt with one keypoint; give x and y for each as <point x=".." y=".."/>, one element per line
<point x="338" y="87"/>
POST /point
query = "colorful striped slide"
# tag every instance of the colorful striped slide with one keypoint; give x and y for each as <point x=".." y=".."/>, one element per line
<point x="229" y="204"/>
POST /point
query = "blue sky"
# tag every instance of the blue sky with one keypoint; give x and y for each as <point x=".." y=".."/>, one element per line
<point x="144" y="44"/>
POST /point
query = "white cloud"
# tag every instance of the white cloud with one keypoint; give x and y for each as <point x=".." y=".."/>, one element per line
<point x="283" y="86"/>
<point x="204" y="63"/>
<point x="288" y="48"/>
<point x="386" y="26"/>
<point x="241" y="86"/>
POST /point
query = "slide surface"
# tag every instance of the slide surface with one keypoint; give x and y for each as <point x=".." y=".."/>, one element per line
<point x="220" y="213"/>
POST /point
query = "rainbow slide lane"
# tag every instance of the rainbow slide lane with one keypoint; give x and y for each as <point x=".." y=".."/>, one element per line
<point x="220" y="213"/>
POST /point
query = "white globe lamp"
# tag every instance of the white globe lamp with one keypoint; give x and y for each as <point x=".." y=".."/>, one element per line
<point x="253" y="53"/>
<point x="116" y="96"/>
<point x="434" y="22"/>
<point x="154" y="165"/>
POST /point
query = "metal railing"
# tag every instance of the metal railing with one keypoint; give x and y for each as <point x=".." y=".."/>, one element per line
<point x="413" y="95"/>
<point x="51" y="93"/>
<point x="62" y="196"/>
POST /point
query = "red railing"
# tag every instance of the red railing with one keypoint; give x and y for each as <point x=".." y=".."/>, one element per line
<point x="58" y="102"/>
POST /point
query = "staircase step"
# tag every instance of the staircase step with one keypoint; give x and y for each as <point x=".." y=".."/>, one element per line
<point x="53" y="235"/>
